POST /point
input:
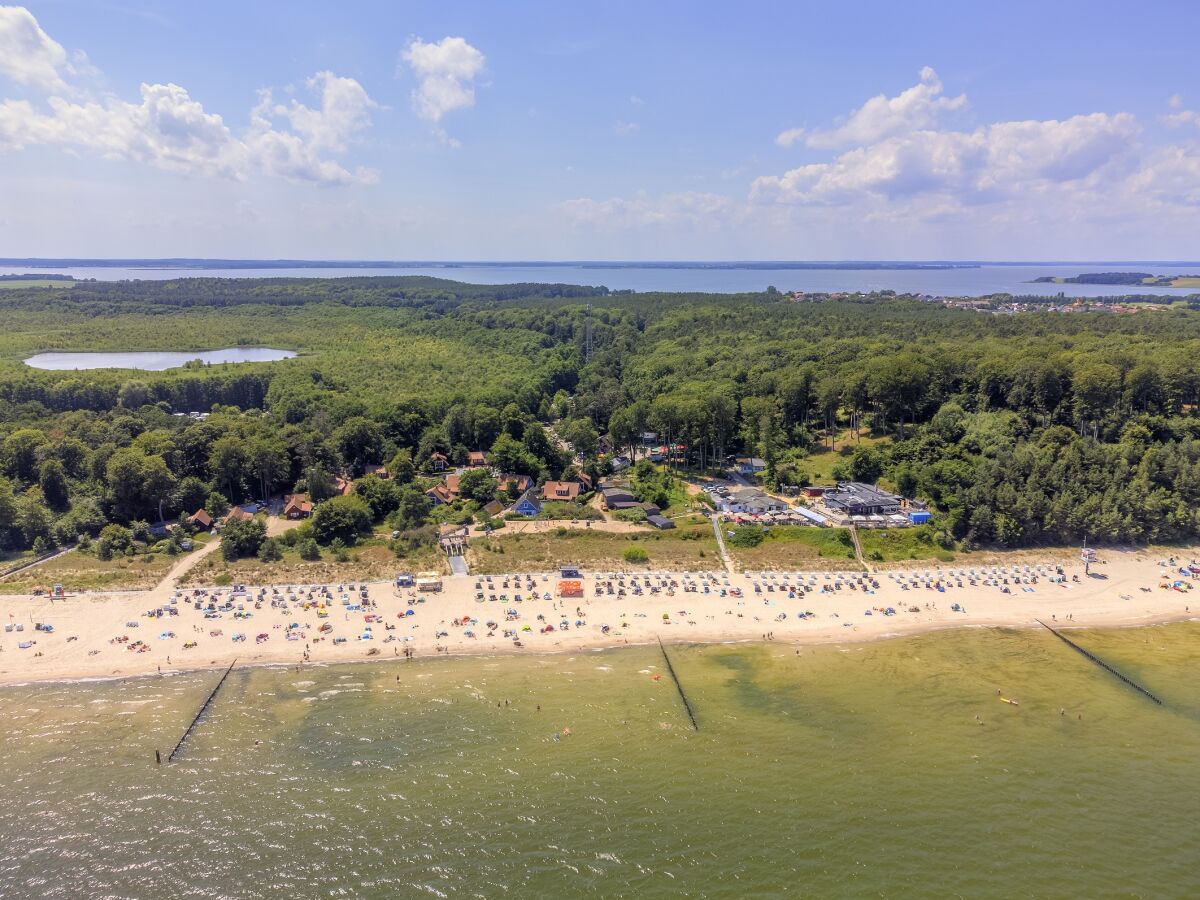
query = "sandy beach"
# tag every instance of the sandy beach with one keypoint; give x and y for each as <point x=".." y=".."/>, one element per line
<point x="110" y="635"/>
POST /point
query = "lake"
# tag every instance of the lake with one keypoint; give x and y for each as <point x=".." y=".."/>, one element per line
<point x="948" y="280"/>
<point x="153" y="360"/>
<point x="881" y="769"/>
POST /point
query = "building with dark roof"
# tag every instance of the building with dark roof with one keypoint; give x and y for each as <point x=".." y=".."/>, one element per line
<point x="857" y="499"/>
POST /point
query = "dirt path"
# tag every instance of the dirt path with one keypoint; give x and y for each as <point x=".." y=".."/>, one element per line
<point x="185" y="565"/>
<point x="728" y="563"/>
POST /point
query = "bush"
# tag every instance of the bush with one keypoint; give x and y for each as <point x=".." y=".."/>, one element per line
<point x="635" y="555"/>
<point x="309" y="550"/>
<point x="242" y="538"/>
<point x="747" y="536"/>
<point x="270" y="551"/>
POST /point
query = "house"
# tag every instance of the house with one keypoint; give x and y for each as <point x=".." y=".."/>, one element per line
<point x="853" y="498"/>
<point x="342" y="486"/>
<point x="297" y="506"/>
<point x="439" y="495"/>
<point x="620" y="462"/>
<point x="751" y="501"/>
<point x="476" y="459"/>
<point x="239" y="514"/>
<point x="518" y="484"/>
<point x="750" y="465"/>
<point x="438" y="462"/>
<point x="201" y="519"/>
<point x="493" y="509"/>
<point x="813" y="492"/>
<point x="527" y="504"/>
<point x="378" y="472"/>
<point x="561" y="490"/>
<point x="586" y="481"/>
<point x="649" y="438"/>
<point x="452" y="483"/>
<point x="660" y="522"/>
<point x="617" y="498"/>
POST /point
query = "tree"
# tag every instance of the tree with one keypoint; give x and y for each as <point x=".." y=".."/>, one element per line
<point x="412" y="509"/>
<point x="477" y="485"/>
<point x="242" y="538"/>
<point x="360" y="441"/>
<point x="53" y="482"/>
<point x="581" y="435"/>
<point x="270" y="551"/>
<point x="20" y="453"/>
<point x="190" y="495"/>
<point x="268" y="459"/>
<point x="342" y="517"/>
<point x="216" y="505"/>
<point x="137" y="483"/>
<point x="227" y="462"/>
<point x="133" y="394"/>
<point x="508" y="455"/>
<point x="381" y="495"/>
<point x="401" y="467"/>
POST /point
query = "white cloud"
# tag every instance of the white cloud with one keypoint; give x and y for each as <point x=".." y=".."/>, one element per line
<point x="28" y="55"/>
<point x="624" y="129"/>
<point x="920" y="106"/>
<point x="1176" y="101"/>
<point x="170" y="130"/>
<point x="446" y="73"/>
<point x="635" y="100"/>
<point x="990" y="162"/>
<point x="642" y="210"/>
<point x="790" y="137"/>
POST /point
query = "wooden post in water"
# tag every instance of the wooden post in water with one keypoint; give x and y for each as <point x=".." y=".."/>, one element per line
<point x="1101" y="663"/>
<point x="203" y="708"/>
<point x="682" y="696"/>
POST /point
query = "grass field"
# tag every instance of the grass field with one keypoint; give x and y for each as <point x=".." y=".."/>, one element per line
<point x="899" y="544"/>
<point x="371" y="561"/>
<point x="820" y="461"/>
<point x="78" y="571"/>
<point x="686" y="547"/>
<point x="796" y="547"/>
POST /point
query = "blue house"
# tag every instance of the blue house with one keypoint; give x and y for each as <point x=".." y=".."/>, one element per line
<point x="527" y="504"/>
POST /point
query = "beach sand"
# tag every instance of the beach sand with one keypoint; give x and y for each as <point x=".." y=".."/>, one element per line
<point x="83" y="643"/>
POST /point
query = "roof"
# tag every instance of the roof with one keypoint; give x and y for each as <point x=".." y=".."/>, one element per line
<point x="660" y="521"/>
<point x="527" y="499"/>
<point x="523" y="482"/>
<point x="201" y="517"/>
<point x="847" y="491"/>
<point x="810" y="515"/>
<point x="561" y="490"/>
<point x="494" y="508"/>
<point x="452" y="484"/>
<point x="477" y="458"/>
<point x="342" y="485"/>
<point x="239" y="514"/>
<point x="440" y="493"/>
<point x="438" y="455"/>
<point x="297" y="503"/>
<point x="752" y="461"/>
<point x="381" y="471"/>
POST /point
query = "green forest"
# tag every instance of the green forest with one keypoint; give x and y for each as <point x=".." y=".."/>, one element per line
<point x="1018" y="430"/>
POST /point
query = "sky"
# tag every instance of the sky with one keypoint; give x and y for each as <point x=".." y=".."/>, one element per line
<point x="600" y="131"/>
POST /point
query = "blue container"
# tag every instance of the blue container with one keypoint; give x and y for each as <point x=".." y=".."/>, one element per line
<point x="920" y="517"/>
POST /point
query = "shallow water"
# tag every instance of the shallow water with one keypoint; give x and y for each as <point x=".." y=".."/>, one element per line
<point x="841" y="770"/>
<point x="153" y="360"/>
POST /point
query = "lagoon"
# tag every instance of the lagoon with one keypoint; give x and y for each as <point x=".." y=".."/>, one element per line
<point x="153" y="360"/>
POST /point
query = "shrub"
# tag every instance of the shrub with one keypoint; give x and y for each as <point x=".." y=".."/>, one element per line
<point x="309" y="549"/>
<point x="747" y="536"/>
<point x="635" y="555"/>
<point x="342" y="518"/>
<point x="270" y="550"/>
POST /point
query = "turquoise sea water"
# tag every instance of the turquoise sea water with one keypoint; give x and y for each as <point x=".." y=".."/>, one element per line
<point x="885" y="769"/>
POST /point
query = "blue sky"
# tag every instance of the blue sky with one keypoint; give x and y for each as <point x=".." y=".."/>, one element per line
<point x="600" y="131"/>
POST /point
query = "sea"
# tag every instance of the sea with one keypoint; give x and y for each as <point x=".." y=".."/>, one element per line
<point x="886" y="769"/>
<point x="938" y="279"/>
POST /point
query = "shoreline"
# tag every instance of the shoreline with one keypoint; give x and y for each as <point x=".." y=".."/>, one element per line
<point x="499" y="653"/>
<point x="92" y="632"/>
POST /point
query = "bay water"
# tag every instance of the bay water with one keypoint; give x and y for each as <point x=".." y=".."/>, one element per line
<point x="883" y="769"/>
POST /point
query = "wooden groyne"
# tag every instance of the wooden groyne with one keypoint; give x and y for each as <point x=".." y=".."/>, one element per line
<point x="1101" y="663"/>
<point x="196" y="718"/>
<point x="679" y="687"/>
